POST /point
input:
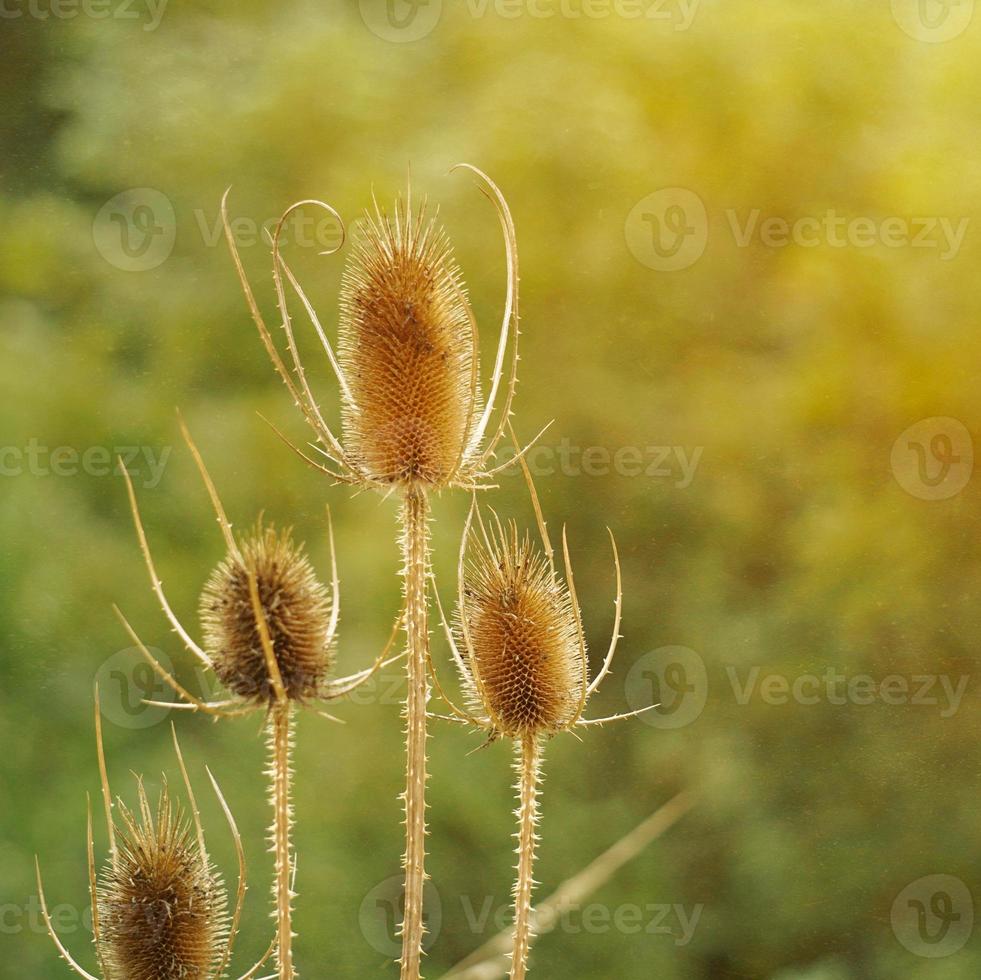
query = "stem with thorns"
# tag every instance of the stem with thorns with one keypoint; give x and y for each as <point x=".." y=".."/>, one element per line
<point x="280" y="745"/>
<point x="527" y="765"/>
<point x="415" y="551"/>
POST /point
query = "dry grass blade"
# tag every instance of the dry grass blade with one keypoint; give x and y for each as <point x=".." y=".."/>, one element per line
<point x="489" y="961"/>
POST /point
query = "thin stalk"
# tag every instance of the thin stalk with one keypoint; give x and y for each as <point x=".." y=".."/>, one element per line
<point x="415" y="553"/>
<point x="527" y="765"/>
<point x="280" y="775"/>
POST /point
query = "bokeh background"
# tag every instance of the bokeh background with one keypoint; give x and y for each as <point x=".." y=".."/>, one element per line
<point x="813" y="530"/>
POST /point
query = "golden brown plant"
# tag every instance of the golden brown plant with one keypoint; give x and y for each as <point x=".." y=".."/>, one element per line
<point x="525" y="668"/>
<point x="269" y="627"/>
<point x="413" y="420"/>
<point x="159" y="906"/>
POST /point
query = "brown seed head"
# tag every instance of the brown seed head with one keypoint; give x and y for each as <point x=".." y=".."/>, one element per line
<point x="297" y="610"/>
<point x="407" y="349"/>
<point x="162" y="907"/>
<point x="522" y="627"/>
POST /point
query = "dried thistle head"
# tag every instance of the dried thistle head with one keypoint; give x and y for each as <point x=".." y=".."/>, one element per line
<point x="162" y="906"/>
<point x="524" y="666"/>
<point x="519" y="622"/>
<point x="407" y="350"/>
<point x="159" y="908"/>
<point x="296" y="608"/>
<point x="407" y="364"/>
<point x="269" y="624"/>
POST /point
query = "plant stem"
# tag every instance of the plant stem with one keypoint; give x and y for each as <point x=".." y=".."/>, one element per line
<point x="415" y="551"/>
<point x="527" y="765"/>
<point x="280" y="745"/>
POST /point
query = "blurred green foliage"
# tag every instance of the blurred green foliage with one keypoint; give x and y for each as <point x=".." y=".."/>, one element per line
<point x="792" y="369"/>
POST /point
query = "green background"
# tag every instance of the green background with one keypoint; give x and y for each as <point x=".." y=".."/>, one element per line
<point x="794" y="549"/>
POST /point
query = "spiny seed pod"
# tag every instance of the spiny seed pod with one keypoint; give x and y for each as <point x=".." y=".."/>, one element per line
<point x="407" y="350"/>
<point x="297" y="610"/>
<point x="162" y="906"/>
<point x="521" y="625"/>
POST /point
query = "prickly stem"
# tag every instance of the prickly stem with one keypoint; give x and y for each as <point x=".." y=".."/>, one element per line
<point x="527" y="765"/>
<point x="415" y="546"/>
<point x="280" y="775"/>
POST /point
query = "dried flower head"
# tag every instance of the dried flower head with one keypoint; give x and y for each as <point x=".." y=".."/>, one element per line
<point x="268" y="622"/>
<point x="159" y="908"/>
<point x="521" y="625"/>
<point x="407" y="362"/>
<point x="407" y="350"/>
<point x="162" y="904"/>
<point x="296" y="607"/>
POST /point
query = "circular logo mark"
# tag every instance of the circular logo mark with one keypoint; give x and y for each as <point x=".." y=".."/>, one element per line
<point x="933" y="459"/>
<point x="383" y="909"/>
<point x="667" y="230"/>
<point x="934" y="916"/>
<point x="673" y="678"/>
<point x="933" y="21"/>
<point x="401" y="21"/>
<point x="135" y="230"/>
<point x="126" y="681"/>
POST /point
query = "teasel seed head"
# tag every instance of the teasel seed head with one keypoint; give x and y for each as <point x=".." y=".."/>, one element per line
<point x="162" y="906"/>
<point x="526" y="670"/>
<point x="407" y="348"/>
<point x="296" y="607"/>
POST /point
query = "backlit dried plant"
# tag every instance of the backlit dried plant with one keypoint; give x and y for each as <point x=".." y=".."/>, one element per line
<point x="413" y="421"/>
<point x="524" y="668"/>
<point x="159" y="906"/>
<point x="269" y="627"/>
